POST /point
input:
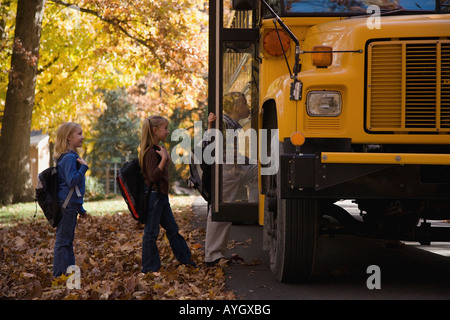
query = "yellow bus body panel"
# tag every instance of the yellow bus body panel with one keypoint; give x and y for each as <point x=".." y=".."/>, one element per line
<point x="385" y="158"/>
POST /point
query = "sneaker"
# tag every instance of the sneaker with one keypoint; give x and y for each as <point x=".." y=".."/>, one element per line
<point x="226" y="261"/>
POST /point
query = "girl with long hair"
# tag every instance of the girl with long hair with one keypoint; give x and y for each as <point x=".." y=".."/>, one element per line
<point x="154" y="161"/>
<point x="71" y="172"/>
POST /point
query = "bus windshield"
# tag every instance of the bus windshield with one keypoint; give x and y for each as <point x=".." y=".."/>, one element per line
<point x="355" y="6"/>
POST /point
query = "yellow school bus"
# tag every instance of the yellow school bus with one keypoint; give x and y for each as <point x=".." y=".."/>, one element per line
<point x="350" y="100"/>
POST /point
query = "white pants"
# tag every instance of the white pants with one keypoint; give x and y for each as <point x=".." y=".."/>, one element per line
<point x="234" y="177"/>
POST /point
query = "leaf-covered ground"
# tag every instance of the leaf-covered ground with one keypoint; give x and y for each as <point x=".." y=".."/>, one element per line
<point x="108" y="248"/>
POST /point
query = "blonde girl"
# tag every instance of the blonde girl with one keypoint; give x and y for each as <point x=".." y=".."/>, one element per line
<point x="154" y="161"/>
<point x="71" y="171"/>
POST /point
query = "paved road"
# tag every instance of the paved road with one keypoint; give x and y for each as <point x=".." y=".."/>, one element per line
<point x="407" y="272"/>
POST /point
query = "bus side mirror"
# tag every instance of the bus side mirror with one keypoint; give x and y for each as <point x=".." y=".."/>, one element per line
<point x="244" y="4"/>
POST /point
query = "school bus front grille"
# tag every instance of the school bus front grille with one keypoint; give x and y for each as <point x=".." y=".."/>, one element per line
<point x="408" y="86"/>
<point x="323" y="124"/>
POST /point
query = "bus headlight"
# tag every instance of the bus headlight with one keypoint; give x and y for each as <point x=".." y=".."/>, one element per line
<point x="323" y="103"/>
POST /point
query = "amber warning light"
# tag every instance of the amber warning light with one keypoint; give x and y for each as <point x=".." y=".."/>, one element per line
<point x="271" y="42"/>
<point x="322" y="56"/>
<point x="297" y="138"/>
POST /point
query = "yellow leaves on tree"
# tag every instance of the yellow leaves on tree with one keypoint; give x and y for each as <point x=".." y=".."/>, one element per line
<point x="95" y="44"/>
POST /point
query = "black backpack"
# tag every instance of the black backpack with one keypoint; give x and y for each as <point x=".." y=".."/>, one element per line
<point x="46" y="195"/>
<point x="132" y="186"/>
<point x="200" y="177"/>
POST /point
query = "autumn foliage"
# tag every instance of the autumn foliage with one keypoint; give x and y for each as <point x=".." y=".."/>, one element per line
<point x="108" y="250"/>
<point x="86" y="48"/>
<point x="88" y="45"/>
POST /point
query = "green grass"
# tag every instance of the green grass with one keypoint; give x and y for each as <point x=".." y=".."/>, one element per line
<point x="18" y="212"/>
<point x="14" y="214"/>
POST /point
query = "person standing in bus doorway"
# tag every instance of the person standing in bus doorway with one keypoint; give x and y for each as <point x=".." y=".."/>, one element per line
<point x="235" y="176"/>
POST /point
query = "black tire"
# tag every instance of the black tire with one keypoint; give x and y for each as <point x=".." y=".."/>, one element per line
<point x="293" y="243"/>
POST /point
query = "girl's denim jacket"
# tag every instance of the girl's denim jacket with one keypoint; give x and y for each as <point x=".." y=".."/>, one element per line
<point x="70" y="174"/>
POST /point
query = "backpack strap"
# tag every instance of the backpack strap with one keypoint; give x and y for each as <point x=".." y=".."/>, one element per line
<point x="69" y="195"/>
<point x="77" y="191"/>
<point x="60" y="157"/>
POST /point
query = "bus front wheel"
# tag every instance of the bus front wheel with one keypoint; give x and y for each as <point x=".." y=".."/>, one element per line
<point x="293" y="239"/>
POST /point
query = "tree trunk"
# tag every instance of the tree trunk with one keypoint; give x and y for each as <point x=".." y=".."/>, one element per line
<point x="15" y="180"/>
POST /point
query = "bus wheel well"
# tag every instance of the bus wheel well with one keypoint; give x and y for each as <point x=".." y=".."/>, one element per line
<point x="270" y="118"/>
<point x="269" y="121"/>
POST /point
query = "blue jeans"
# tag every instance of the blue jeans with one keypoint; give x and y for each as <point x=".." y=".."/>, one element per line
<point x="63" y="255"/>
<point x="160" y="213"/>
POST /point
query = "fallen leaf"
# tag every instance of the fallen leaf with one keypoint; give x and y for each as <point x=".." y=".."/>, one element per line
<point x="131" y="284"/>
<point x="27" y="275"/>
<point x="19" y="242"/>
<point x="71" y="297"/>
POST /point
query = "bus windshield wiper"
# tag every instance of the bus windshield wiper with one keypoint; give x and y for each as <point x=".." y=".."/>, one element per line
<point x="392" y="11"/>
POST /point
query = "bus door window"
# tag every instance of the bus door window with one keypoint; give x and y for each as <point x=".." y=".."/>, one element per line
<point x="239" y="108"/>
<point x="233" y="98"/>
